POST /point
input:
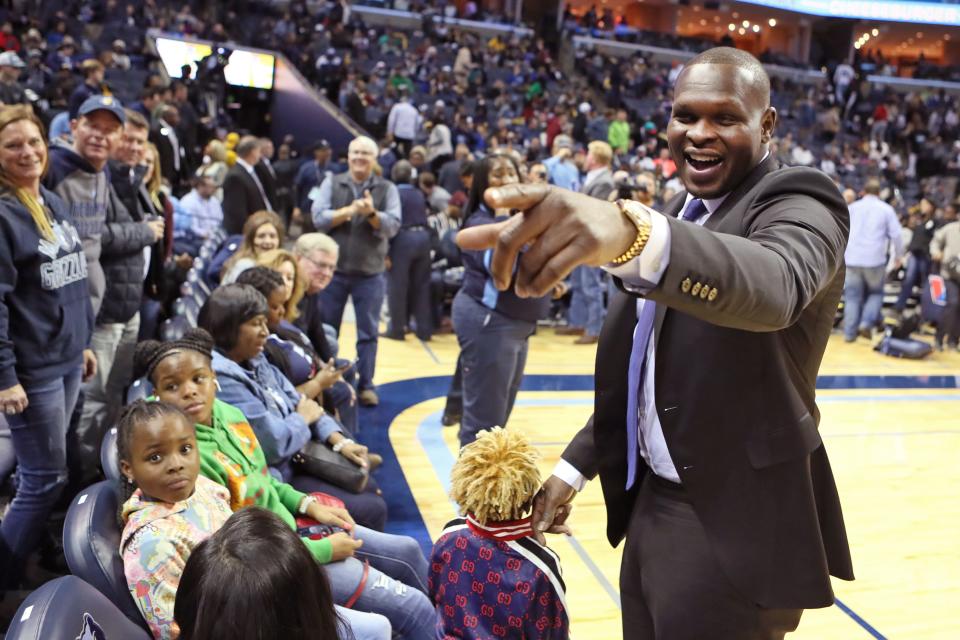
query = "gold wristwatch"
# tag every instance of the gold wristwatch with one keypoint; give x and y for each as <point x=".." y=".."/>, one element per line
<point x="638" y="215"/>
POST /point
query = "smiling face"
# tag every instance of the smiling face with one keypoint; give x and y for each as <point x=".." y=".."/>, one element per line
<point x="266" y="238"/>
<point x="318" y="269"/>
<point x="360" y="157"/>
<point x="95" y="135"/>
<point x="251" y="338"/>
<point x="163" y="458"/>
<point x="185" y="380"/>
<point x="23" y="153"/>
<point x="719" y="128"/>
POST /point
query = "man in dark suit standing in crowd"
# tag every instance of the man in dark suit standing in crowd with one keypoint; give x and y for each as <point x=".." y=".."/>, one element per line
<point x="704" y="432"/>
<point x="243" y="193"/>
<point x="173" y="155"/>
<point x="265" y="170"/>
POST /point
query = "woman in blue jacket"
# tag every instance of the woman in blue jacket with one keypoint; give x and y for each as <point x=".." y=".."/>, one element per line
<point x="45" y="324"/>
<point x="493" y="327"/>
<point x="282" y="418"/>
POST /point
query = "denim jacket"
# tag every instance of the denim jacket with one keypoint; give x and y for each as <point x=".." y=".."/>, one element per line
<point x="269" y="401"/>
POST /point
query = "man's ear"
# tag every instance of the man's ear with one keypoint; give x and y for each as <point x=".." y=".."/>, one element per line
<point x="768" y="124"/>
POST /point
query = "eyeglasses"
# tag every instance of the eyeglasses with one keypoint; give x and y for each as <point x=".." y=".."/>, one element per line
<point x="321" y="266"/>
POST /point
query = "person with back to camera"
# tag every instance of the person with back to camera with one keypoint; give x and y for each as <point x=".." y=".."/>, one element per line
<point x="167" y="509"/>
<point x="704" y="431"/>
<point x="43" y="279"/>
<point x="394" y="582"/>
<point x="251" y="580"/>
<point x="515" y="587"/>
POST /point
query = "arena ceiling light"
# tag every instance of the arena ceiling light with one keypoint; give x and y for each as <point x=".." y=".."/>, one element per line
<point x="772" y="22"/>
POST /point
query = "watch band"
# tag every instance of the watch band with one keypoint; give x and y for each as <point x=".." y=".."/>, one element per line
<point x="638" y="216"/>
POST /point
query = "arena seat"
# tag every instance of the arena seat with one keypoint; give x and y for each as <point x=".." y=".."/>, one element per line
<point x="68" y="607"/>
<point x="174" y="328"/>
<point x="138" y="390"/>
<point x="91" y="544"/>
<point x="109" y="461"/>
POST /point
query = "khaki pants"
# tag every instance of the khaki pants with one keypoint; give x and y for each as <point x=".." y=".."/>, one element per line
<point x="113" y="345"/>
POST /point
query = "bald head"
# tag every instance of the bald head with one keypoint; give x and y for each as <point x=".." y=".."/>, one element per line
<point x="750" y="68"/>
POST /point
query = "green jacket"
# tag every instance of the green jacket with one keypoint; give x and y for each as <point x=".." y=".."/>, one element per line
<point x="231" y="456"/>
<point x="618" y="135"/>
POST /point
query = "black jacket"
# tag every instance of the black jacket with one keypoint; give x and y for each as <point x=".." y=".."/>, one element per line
<point x="125" y="235"/>
<point x="241" y="197"/>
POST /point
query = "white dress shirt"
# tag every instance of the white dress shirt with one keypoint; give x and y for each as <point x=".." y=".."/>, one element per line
<point x="641" y="275"/>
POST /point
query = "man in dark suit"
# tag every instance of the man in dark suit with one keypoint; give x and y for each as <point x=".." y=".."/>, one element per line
<point x="173" y="155"/>
<point x="265" y="170"/>
<point x="704" y="431"/>
<point x="243" y="193"/>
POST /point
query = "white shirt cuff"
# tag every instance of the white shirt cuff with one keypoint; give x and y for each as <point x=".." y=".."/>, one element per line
<point x="569" y="474"/>
<point x="643" y="273"/>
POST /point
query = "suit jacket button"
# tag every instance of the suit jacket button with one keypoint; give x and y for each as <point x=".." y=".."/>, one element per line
<point x="713" y="295"/>
<point x="696" y="289"/>
<point x="705" y="292"/>
<point x="685" y="285"/>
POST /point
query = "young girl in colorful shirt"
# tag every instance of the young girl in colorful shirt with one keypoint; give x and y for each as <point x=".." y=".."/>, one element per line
<point x="230" y="455"/>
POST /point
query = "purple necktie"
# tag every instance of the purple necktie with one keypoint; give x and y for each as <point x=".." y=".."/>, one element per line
<point x="638" y="360"/>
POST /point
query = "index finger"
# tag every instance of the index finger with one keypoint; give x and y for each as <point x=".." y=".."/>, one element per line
<point x="518" y="231"/>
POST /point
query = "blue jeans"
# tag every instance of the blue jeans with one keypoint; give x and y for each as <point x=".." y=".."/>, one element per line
<point x="396" y="586"/>
<point x="367" y="293"/>
<point x="588" y="296"/>
<point x="40" y="442"/>
<point x="917" y="269"/>
<point x="360" y="625"/>
<point x="577" y="313"/>
<point x="493" y="353"/>
<point x="862" y="299"/>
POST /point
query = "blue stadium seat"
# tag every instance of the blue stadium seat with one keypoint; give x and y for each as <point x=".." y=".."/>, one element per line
<point x="91" y="544"/>
<point x="174" y="328"/>
<point x="139" y="390"/>
<point x="195" y="280"/>
<point x="109" y="461"/>
<point x="68" y="607"/>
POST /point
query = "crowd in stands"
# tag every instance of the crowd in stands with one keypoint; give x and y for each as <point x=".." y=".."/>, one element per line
<point x="214" y="267"/>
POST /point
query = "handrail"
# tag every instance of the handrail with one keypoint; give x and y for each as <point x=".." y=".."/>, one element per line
<point x="395" y="17"/>
<point x="810" y="76"/>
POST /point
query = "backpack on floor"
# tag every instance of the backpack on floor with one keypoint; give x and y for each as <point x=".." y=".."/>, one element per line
<point x="933" y="299"/>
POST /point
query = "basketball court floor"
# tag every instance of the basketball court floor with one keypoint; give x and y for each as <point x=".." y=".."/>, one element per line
<point x="890" y="426"/>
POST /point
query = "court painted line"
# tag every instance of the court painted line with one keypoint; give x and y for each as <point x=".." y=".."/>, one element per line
<point x="860" y="621"/>
<point x="402" y="394"/>
<point x="430" y="436"/>
<point x="429" y="351"/>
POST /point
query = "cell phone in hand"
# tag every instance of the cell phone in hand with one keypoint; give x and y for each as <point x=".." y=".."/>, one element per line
<point x="347" y="365"/>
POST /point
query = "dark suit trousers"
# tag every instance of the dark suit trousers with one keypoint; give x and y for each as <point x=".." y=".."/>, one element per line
<point x="671" y="586"/>
<point x="408" y="283"/>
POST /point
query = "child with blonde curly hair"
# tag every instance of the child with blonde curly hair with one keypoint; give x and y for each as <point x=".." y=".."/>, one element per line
<point x="489" y="577"/>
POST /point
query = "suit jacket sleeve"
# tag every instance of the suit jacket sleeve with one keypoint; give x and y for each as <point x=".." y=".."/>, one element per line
<point x="581" y="453"/>
<point x="795" y="236"/>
